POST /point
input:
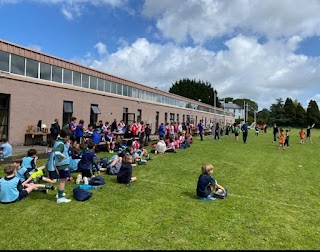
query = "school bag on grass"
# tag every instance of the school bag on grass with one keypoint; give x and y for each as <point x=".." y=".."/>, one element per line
<point x="81" y="194"/>
<point x="97" y="180"/>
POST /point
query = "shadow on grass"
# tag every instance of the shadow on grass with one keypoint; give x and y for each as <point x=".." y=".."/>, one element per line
<point x="191" y="195"/>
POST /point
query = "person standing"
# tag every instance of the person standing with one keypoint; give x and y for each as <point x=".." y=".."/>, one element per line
<point x="275" y="132"/>
<point x="244" y="129"/>
<point x="54" y="131"/>
<point x="200" y="128"/>
<point x="309" y="132"/>
<point x="62" y="162"/>
<point x="217" y="132"/>
<point x="236" y="131"/>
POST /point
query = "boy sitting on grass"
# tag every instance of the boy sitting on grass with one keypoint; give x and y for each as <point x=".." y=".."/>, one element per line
<point x="11" y="189"/>
<point x="207" y="185"/>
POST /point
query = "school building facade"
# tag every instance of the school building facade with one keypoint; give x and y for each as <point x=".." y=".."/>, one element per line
<point x="36" y="88"/>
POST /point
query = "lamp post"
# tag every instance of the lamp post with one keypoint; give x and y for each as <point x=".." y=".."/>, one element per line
<point x="224" y="110"/>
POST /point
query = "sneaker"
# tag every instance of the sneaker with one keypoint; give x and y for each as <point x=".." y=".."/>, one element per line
<point x="79" y="179"/>
<point x="85" y="181"/>
<point x="63" y="195"/>
<point x="63" y="200"/>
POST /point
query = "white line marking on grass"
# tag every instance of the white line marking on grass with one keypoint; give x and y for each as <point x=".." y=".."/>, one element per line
<point x="239" y="196"/>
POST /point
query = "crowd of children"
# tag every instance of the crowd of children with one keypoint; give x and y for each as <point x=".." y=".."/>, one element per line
<point x="71" y="152"/>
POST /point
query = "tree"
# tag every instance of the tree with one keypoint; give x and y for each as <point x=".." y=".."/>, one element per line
<point x="195" y="90"/>
<point x="313" y="114"/>
<point x="300" y="116"/>
<point x="277" y="112"/>
<point x="263" y="116"/>
<point x="289" y="113"/>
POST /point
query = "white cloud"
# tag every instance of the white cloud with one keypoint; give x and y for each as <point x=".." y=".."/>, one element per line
<point x="203" y="20"/>
<point x="248" y="69"/>
<point x="102" y="48"/>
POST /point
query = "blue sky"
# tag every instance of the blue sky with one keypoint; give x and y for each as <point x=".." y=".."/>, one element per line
<point x="260" y="50"/>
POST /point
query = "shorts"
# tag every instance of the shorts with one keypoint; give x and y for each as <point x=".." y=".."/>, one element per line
<point x="63" y="174"/>
<point x="87" y="173"/>
<point x="22" y="195"/>
<point x="53" y="175"/>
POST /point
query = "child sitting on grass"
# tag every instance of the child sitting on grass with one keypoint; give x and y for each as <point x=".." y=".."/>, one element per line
<point x="207" y="185"/>
<point x="11" y="189"/>
<point x="125" y="174"/>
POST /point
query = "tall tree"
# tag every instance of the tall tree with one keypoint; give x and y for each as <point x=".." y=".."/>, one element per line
<point x="277" y="112"/>
<point x="289" y="113"/>
<point x="301" y="116"/>
<point x="196" y="90"/>
<point x="313" y="114"/>
<point x="263" y="116"/>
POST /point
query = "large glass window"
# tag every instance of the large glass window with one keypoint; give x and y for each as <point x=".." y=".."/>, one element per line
<point x="85" y="80"/>
<point x="119" y="89"/>
<point x="125" y="90"/>
<point x="45" y="71"/>
<point x="77" y="79"/>
<point x="100" y="84"/>
<point x="4" y="61"/>
<point x="107" y="86"/>
<point x="17" y="64"/>
<point x="113" y="88"/>
<point x="93" y="83"/>
<point x="67" y="76"/>
<point x="32" y="68"/>
<point x="56" y="74"/>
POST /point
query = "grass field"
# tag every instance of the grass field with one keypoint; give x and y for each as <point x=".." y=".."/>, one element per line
<point x="273" y="203"/>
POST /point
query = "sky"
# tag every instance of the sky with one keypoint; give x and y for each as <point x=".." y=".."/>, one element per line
<point x="254" y="49"/>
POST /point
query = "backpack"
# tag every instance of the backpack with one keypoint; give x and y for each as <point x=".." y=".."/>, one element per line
<point x="81" y="194"/>
<point x="97" y="180"/>
<point x="222" y="195"/>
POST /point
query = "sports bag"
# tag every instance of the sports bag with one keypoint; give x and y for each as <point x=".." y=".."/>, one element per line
<point x="97" y="180"/>
<point x="81" y="194"/>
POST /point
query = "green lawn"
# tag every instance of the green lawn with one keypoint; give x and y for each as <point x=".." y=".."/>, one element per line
<point x="273" y="203"/>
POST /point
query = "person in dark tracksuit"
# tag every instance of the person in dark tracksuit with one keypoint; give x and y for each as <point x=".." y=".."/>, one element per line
<point x="244" y="129"/>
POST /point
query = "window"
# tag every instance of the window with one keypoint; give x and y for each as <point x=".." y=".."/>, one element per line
<point x="67" y="107"/>
<point x="113" y="88"/>
<point x="67" y="112"/>
<point x="139" y="116"/>
<point x="17" y="64"/>
<point x="94" y="114"/>
<point x="95" y="109"/>
<point x="32" y="68"/>
<point x="100" y="84"/>
<point x="67" y="76"/>
<point x="165" y="118"/>
<point x="93" y="82"/>
<point x="124" y="115"/>
<point x="77" y="79"/>
<point x="45" y="71"/>
<point x="4" y="61"/>
<point x="107" y="86"/>
<point x="56" y="74"/>
<point x="119" y="89"/>
<point x="85" y="80"/>
<point x="4" y="115"/>
<point x="171" y="117"/>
